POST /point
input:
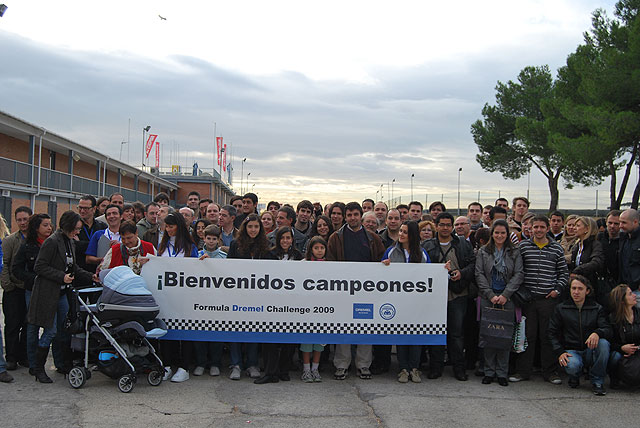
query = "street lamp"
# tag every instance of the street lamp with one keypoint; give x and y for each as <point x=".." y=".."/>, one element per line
<point x="122" y="143"/>
<point x="242" y="173"/>
<point x="381" y="193"/>
<point x="247" y="180"/>
<point x="459" y="171"/>
<point x="392" y="183"/>
<point x="144" y="130"/>
<point x="412" y="175"/>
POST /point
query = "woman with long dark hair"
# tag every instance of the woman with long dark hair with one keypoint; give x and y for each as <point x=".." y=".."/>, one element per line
<point x="56" y="270"/>
<point x="284" y="248"/>
<point x="38" y="230"/>
<point x="625" y="323"/>
<point x="198" y="232"/>
<point x="176" y="242"/>
<point x="407" y="250"/>
<point x="277" y="356"/>
<point x="499" y="274"/>
<point x="250" y="243"/>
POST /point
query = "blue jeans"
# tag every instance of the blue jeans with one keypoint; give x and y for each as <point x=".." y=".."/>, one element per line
<point x="408" y="356"/>
<point x="49" y="333"/>
<point x="208" y="354"/>
<point x="251" y="351"/>
<point x="595" y="359"/>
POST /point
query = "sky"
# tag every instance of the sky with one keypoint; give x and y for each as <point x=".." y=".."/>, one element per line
<point x="326" y="100"/>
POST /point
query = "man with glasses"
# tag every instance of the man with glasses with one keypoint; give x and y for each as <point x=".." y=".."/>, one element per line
<point x="446" y="247"/>
<point x="90" y="225"/>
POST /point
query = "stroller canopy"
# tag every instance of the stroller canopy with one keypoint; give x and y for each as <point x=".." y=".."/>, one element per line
<point x="123" y="287"/>
<point x="121" y="279"/>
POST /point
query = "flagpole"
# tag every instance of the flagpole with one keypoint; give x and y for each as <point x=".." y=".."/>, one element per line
<point x="215" y="150"/>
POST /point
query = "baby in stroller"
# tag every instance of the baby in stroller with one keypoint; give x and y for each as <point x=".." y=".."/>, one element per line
<point x="116" y="331"/>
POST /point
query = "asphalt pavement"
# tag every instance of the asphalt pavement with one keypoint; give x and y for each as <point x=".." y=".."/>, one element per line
<point x="207" y="401"/>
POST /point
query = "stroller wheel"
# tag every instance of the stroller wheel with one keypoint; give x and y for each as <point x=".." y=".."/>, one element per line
<point x="126" y="383"/>
<point x="155" y="377"/>
<point x="77" y="377"/>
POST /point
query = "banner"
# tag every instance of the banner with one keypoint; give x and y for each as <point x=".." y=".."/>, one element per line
<point x="157" y="154"/>
<point x="219" y="148"/>
<point x="150" y="140"/>
<point x="271" y="301"/>
<point x="224" y="158"/>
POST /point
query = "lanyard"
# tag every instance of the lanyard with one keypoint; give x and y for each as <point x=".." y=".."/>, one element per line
<point x="169" y="247"/>
<point x="87" y="231"/>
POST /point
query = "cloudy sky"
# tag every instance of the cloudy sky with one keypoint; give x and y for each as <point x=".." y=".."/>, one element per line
<point x="326" y="100"/>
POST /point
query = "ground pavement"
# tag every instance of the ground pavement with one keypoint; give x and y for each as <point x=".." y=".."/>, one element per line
<point x="380" y="402"/>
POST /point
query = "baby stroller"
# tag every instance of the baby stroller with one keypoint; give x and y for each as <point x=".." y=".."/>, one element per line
<point x="116" y="331"/>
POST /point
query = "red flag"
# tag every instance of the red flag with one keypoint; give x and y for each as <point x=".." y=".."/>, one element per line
<point x="149" y="146"/>
<point x="224" y="163"/>
<point x="157" y="154"/>
<point x="219" y="145"/>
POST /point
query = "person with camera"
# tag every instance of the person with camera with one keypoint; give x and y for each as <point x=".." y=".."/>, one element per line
<point x="56" y="270"/>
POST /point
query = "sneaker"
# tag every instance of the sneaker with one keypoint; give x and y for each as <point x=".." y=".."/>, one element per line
<point x="198" y="371"/>
<point x="5" y="377"/>
<point x="574" y="382"/>
<point x="235" y="373"/>
<point x="517" y="378"/>
<point x="180" y="376"/>
<point x="598" y="390"/>
<point x="214" y="371"/>
<point x="167" y="373"/>
<point x="403" y="376"/>
<point x="364" y="373"/>
<point x="253" y="372"/>
<point x="307" y="376"/>
<point x="415" y="376"/>
<point x="316" y="376"/>
<point x="340" y="374"/>
<point x="554" y="379"/>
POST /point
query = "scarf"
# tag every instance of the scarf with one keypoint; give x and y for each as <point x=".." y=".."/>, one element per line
<point x="134" y="257"/>
<point x="499" y="263"/>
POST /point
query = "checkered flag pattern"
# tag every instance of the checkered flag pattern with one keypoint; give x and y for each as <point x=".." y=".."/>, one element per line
<point x="304" y="327"/>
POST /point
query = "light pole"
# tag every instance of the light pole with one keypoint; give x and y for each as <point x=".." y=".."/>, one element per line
<point x="392" y="183"/>
<point x="381" y="193"/>
<point x="144" y="130"/>
<point x="121" y="144"/>
<point x="242" y="173"/>
<point x="248" y="180"/>
<point x="412" y="175"/>
<point x="459" y="171"/>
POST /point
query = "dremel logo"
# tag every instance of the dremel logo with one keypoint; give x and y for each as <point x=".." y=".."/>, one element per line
<point x="387" y="311"/>
<point x="363" y="311"/>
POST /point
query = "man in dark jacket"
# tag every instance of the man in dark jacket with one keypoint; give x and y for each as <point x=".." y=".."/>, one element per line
<point x="629" y="260"/>
<point x="447" y="247"/>
<point x="610" y="241"/>
<point x="578" y="330"/>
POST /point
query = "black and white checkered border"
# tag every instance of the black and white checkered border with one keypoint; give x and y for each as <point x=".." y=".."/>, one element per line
<point x="304" y="327"/>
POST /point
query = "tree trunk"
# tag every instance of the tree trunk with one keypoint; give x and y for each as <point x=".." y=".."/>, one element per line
<point x="636" y="195"/>
<point x="553" y="191"/>
<point x="612" y="185"/>
<point x="625" y="179"/>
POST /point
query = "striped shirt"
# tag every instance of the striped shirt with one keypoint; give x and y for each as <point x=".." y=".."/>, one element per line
<point x="545" y="269"/>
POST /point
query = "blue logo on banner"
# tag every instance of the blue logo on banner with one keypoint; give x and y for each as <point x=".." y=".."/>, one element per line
<point x="363" y="311"/>
<point x="387" y="311"/>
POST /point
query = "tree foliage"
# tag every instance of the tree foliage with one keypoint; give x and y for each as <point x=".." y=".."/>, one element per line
<point x="593" y="118"/>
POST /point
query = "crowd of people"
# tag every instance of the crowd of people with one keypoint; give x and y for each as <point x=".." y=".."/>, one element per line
<point x="568" y="284"/>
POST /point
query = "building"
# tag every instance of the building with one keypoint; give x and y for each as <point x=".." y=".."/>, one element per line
<point x="50" y="173"/>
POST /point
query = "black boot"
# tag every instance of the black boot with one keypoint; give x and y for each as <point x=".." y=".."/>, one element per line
<point x="39" y="371"/>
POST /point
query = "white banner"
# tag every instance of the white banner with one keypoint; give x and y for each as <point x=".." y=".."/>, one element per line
<point x="232" y="300"/>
